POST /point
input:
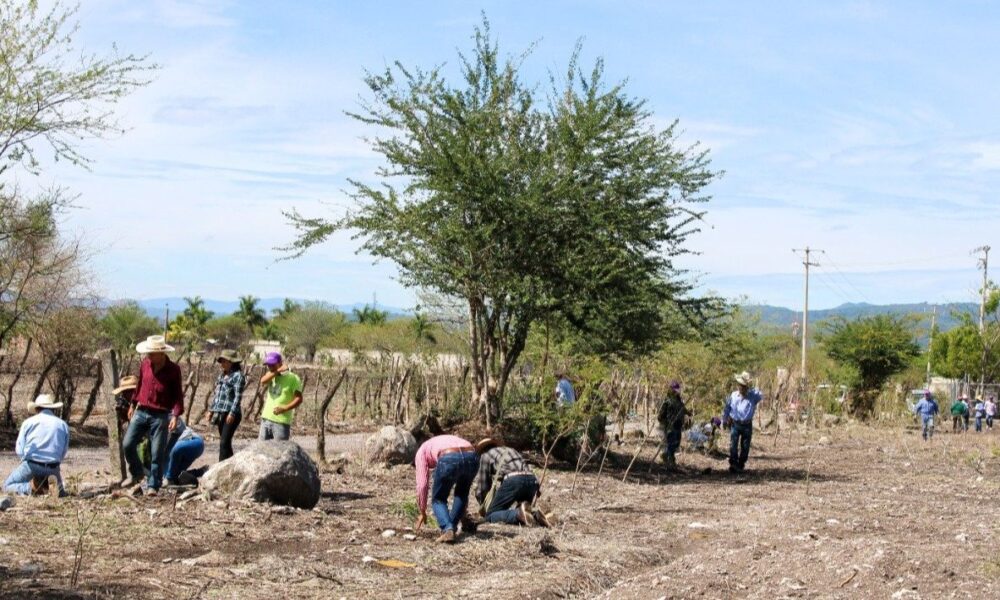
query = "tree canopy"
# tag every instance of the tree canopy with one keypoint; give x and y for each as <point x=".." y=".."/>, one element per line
<point x="876" y="347"/>
<point x="570" y="205"/>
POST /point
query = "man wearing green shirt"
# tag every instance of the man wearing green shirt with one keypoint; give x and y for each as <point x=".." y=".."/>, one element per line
<point x="959" y="416"/>
<point x="284" y="395"/>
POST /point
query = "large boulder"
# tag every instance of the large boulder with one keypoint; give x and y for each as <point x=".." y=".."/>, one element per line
<point x="391" y="446"/>
<point x="279" y="472"/>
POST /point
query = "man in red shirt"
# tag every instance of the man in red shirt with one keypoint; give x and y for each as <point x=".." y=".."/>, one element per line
<point x="156" y="404"/>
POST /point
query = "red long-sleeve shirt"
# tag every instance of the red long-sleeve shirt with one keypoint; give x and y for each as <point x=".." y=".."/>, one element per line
<point x="162" y="390"/>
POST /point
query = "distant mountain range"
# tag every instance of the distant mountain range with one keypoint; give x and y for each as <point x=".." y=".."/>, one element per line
<point x="156" y="306"/>
<point x="946" y="313"/>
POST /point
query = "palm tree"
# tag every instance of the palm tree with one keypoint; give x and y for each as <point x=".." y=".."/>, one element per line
<point x="422" y="328"/>
<point x="369" y="315"/>
<point x="289" y="307"/>
<point x="251" y="314"/>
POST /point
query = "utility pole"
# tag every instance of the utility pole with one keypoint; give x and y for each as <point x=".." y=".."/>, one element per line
<point x="984" y="264"/>
<point x="166" y="319"/>
<point x="930" y="345"/>
<point x="805" y="311"/>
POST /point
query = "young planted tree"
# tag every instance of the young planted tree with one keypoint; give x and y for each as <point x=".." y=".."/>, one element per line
<point x="876" y="347"/>
<point x="525" y="207"/>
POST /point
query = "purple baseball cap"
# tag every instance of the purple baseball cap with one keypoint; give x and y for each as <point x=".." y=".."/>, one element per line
<point x="675" y="385"/>
<point x="272" y="358"/>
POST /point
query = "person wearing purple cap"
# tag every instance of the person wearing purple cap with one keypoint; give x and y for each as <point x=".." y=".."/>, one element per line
<point x="284" y="395"/>
<point x="671" y="417"/>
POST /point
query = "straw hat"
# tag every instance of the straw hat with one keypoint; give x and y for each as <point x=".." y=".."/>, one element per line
<point x="45" y="401"/>
<point x="743" y="378"/>
<point x="154" y="343"/>
<point x="229" y="355"/>
<point x="485" y="444"/>
<point x="129" y="382"/>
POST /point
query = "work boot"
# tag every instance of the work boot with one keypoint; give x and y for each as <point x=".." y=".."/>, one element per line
<point x="150" y="492"/>
<point x="469" y="524"/>
<point x="53" y="485"/>
<point x="39" y="486"/>
<point x="448" y="537"/>
<point x="524" y="515"/>
<point x="540" y="518"/>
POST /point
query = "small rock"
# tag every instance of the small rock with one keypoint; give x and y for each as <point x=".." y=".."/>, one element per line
<point x="824" y="441"/>
<point x="167" y="560"/>
<point x="697" y="525"/>
<point x="367" y="559"/>
<point x="6" y="502"/>
<point x="980" y="478"/>
<point x="4" y="541"/>
<point x="832" y="522"/>
<point x="409" y="537"/>
<point x="220" y="505"/>
<point x="388" y="533"/>
<point x="961" y="538"/>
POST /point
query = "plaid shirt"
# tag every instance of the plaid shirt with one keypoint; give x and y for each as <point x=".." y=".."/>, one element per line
<point x="229" y="393"/>
<point x="503" y="459"/>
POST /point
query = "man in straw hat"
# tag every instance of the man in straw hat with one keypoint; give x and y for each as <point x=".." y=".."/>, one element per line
<point x="123" y="400"/>
<point x="738" y="415"/>
<point x="506" y="487"/>
<point x="41" y="445"/>
<point x="158" y="401"/>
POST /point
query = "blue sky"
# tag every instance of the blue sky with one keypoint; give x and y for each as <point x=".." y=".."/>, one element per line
<point x="867" y="129"/>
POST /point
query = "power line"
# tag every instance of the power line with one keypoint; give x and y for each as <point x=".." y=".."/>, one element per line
<point x="848" y="281"/>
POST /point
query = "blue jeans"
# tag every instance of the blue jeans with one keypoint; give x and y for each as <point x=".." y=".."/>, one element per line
<point x="269" y="430"/>
<point x="739" y="444"/>
<point x="154" y="425"/>
<point x="928" y="429"/>
<point x="515" y="489"/>
<point x="183" y="456"/>
<point x="455" y="470"/>
<point x="19" y="481"/>
<point x="979" y="423"/>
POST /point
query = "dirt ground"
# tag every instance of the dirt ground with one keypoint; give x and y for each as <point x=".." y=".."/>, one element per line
<point x="851" y="512"/>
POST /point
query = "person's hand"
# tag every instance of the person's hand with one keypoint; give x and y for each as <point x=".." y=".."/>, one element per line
<point x="230" y="419"/>
<point x="282" y="368"/>
<point x="420" y="521"/>
<point x="278" y="410"/>
<point x="173" y="424"/>
<point x="131" y="411"/>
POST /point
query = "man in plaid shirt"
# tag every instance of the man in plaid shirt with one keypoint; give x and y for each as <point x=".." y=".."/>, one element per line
<point x="505" y="486"/>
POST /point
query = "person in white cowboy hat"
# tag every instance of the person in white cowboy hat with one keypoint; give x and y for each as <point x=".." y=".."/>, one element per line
<point x="738" y="415"/>
<point x="157" y="402"/>
<point x="42" y="444"/>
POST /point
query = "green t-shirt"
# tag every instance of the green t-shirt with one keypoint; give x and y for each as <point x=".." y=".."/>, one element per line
<point x="280" y="392"/>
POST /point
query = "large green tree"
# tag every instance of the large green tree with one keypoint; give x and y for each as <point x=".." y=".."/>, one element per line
<point x="250" y="313"/>
<point x="876" y="347"/>
<point x="525" y="206"/>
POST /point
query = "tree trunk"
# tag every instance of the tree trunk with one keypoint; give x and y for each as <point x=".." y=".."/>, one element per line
<point x="8" y="413"/>
<point x="43" y="375"/>
<point x="109" y="380"/>
<point x="321" y="415"/>
<point x="92" y="397"/>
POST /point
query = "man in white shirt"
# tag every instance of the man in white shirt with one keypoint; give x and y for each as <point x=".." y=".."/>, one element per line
<point x="565" y="394"/>
<point x="42" y="444"/>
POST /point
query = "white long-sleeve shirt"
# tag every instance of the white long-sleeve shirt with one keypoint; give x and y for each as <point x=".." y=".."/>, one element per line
<point x="43" y="438"/>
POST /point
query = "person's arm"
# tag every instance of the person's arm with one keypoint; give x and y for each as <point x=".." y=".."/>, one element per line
<point x="65" y="440"/>
<point x="239" y="382"/>
<point x="176" y="392"/>
<point x="19" y="445"/>
<point x="725" y="412"/>
<point x="423" y="472"/>
<point x="484" y="479"/>
<point x="296" y="399"/>
<point x="269" y="375"/>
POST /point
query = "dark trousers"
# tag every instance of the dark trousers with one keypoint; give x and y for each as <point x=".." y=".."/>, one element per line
<point x="226" y="433"/>
<point x="673" y="441"/>
<point x="739" y="444"/>
<point x="455" y="470"/>
<point x="513" y="490"/>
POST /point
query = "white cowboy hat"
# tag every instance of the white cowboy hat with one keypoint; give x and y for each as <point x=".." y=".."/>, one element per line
<point x="154" y="343"/>
<point x="743" y="378"/>
<point x="45" y="401"/>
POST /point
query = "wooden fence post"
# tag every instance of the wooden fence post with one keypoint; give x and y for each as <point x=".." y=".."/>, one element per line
<point x="321" y="416"/>
<point x="109" y="368"/>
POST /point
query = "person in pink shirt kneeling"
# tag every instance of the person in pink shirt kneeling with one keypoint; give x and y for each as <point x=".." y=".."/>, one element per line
<point x="455" y="463"/>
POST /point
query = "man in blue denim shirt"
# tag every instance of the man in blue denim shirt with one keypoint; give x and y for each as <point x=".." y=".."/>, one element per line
<point x="738" y="415"/>
<point x="927" y="408"/>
